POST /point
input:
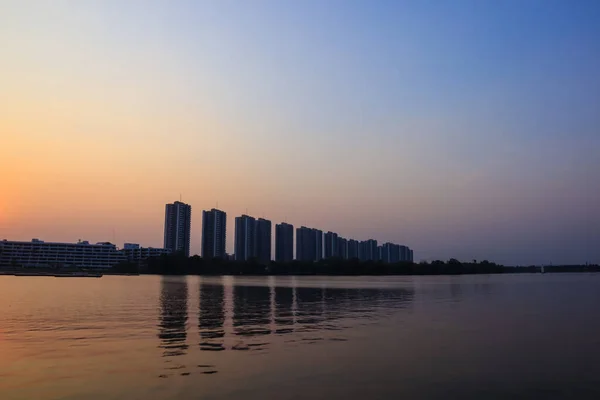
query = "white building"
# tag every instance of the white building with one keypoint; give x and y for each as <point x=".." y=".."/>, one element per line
<point x="40" y="254"/>
<point x="134" y="253"/>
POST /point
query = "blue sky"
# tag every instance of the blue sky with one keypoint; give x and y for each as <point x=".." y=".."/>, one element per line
<point x="465" y="129"/>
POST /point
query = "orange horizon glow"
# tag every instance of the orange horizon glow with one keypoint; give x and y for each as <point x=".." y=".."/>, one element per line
<point x="110" y="110"/>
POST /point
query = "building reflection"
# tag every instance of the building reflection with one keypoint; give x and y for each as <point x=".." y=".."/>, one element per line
<point x="284" y="309"/>
<point x="251" y="310"/>
<point x="173" y="316"/>
<point x="211" y="316"/>
<point x="456" y="291"/>
<point x="336" y="300"/>
<point x="310" y="307"/>
<point x="240" y="314"/>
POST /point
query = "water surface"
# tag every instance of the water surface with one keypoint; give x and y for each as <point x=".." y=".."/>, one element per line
<point x="149" y="337"/>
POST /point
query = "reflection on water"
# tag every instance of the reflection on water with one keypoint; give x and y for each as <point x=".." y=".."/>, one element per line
<point x="251" y="310"/>
<point x="211" y="317"/>
<point x="309" y="307"/>
<point x="173" y="317"/>
<point x="251" y="314"/>
<point x="284" y="309"/>
<point x="300" y="337"/>
<point x="259" y="309"/>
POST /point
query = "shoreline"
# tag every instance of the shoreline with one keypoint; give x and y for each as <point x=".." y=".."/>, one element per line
<point x="99" y="274"/>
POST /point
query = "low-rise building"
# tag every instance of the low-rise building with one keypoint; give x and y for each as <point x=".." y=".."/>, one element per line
<point x="40" y="254"/>
<point x="135" y="253"/>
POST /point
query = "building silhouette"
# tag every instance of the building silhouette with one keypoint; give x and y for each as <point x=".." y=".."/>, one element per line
<point x="284" y="242"/>
<point x="303" y="247"/>
<point x="245" y="244"/>
<point x="253" y="240"/>
<point x="318" y="237"/>
<point x="309" y="244"/>
<point x="353" y="246"/>
<point x="263" y="240"/>
<point x="331" y="245"/>
<point x="368" y="250"/>
<point x="342" y="248"/>
<point x="178" y="217"/>
<point x="406" y="254"/>
<point x="214" y="232"/>
<point x="390" y="253"/>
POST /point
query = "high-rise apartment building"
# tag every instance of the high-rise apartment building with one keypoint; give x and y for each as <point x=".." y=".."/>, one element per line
<point x="309" y="244"/>
<point x="263" y="241"/>
<point x="245" y="244"/>
<point x="214" y="232"/>
<point x="390" y="253"/>
<point x="318" y="235"/>
<point x="368" y="250"/>
<point x="342" y="248"/>
<point x="386" y="252"/>
<point x="373" y="250"/>
<point x="406" y="254"/>
<point x="353" y="247"/>
<point x="331" y="244"/>
<point x="178" y="217"/>
<point x="284" y="242"/>
<point x="303" y="244"/>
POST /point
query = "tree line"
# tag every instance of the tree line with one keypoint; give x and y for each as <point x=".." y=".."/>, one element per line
<point x="179" y="264"/>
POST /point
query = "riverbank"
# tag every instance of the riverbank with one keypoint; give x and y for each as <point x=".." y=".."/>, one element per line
<point x="173" y="265"/>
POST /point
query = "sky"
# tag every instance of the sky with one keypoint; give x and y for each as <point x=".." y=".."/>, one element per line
<point x="464" y="129"/>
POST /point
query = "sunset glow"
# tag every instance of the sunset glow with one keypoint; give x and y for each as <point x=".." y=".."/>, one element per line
<point x="346" y="117"/>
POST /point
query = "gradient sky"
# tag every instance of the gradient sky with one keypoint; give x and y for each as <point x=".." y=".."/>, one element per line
<point x="467" y="129"/>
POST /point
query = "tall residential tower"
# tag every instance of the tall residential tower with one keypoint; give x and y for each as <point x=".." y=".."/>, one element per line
<point x="331" y="245"/>
<point x="342" y="248"/>
<point x="284" y="243"/>
<point x="214" y="231"/>
<point x="309" y="244"/>
<point x="263" y="241"/>
<point x="368" y="250"/>
<point x="245" y="243"/>
<point x="178" y="218"/>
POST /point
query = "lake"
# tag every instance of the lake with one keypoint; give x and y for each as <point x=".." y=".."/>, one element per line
<point x="151" y="337"/>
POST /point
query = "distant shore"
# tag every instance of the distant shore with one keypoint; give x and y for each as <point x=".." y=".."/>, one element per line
<point x="181" y="265"/>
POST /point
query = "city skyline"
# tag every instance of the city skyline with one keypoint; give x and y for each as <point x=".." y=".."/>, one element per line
<point x="253" y="240"/>
<point x="467" y="129"/>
